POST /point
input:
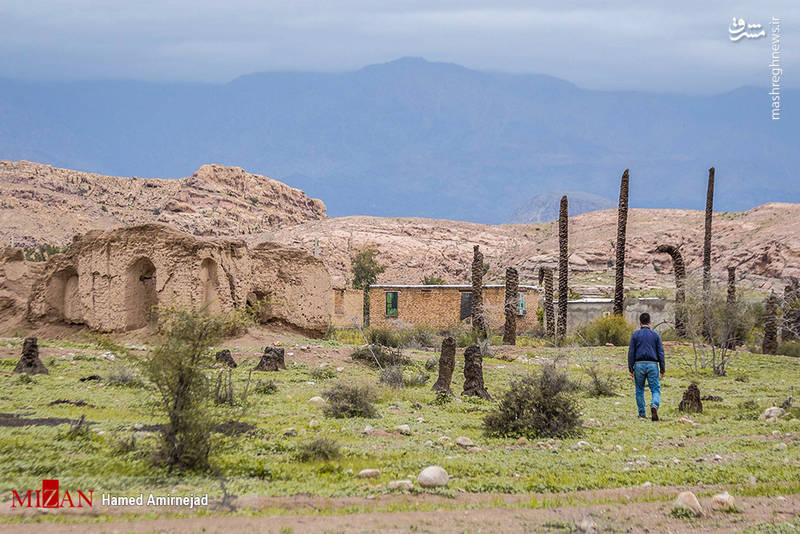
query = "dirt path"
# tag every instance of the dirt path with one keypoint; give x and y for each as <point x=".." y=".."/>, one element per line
<point x="610" y="511"/>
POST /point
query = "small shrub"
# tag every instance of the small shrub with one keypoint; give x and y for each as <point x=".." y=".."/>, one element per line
<point x="433" y="280"/>
<point x="347" y="399"/>
<point x="442" y="398"/>
<point x="417" y="379"/>
<point x="265" y="388"/>
<point x="125" y="376"/>
<point x="600" y="384"/>
<point x="386" y="357"/>
<point x="747" y="410"/>
<point x="790" y="348"/>
<point x="320" y="449"/>
<point x="392" y="376"/>
<point x="680" y="512"/>
<point x="386" y="337"/>
<point x="614" y="329"/>
<point x="77" y="430"/>
<point x="322" y="373"/>
<point x="432" y="364"/>
<point x="536" y="406"/>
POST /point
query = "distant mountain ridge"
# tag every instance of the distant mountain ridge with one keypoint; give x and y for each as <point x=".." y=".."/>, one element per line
<point x="416" y="138"/>
<point x="545" y="207"/>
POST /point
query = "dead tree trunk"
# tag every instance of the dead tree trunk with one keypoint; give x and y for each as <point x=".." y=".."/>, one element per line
<point x="770" y="345"/>
<point x="731" y="285"/>
<point x="707" y="256"/>
<point x="731" y="329"/>
<point x="546" y="278"/>
<point x="512" y="304"/>
<point x="365" y="310"/>
<point x="680" y="286"/>
<point x="447" y="362"/>
<point x="790" y="328"/>
<point x="473" y="373"/>
<point x="271" y="360"/>
<point x="30" y="363"/>
<point x="622" y="225"/>
<point x="478" y="320"/>
<point x="563" y="268"/>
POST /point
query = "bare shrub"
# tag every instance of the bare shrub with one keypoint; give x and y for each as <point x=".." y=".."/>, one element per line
<point x="392" y="376"/>
<point x="320" y="449"/>
<point x="417" y="379"/>
<point x="380" y="356"/>
<point x="600" y="384"/>
<point x="347" y="399"/>
<point x="541" y="405"/>
<point x="124" y="375"/>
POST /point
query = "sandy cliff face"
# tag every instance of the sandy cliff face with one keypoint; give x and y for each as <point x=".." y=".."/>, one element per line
<point x="42" y="204"/>
<point x="763" y="242"/>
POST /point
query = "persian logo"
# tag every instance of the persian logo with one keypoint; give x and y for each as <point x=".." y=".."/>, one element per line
<point x="739" y="29"/>
<point x="51" y="497"/>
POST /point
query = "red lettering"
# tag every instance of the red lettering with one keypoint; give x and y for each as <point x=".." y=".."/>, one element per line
<point x="67" y="497"/>
<point x="82" y="497"/>
<point x="50" y="493"/>
<point x="16" y="498"/>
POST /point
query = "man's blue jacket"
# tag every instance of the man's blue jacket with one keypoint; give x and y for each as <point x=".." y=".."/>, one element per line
<point x="645" y="346"/>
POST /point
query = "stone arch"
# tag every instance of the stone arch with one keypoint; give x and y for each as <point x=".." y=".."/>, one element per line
<point x="209" y="284"/>
<point x="63" y="295"/>
<point x="140" y="293"/>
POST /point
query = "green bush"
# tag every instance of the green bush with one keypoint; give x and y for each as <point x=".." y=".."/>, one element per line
<point x="322" y="373"/>
<point x="124" y="375"/>
<point x="417" y="337"/>
<point x="614" y="329"/>
<point x="347" y="399"/>
<point x="320" y="449"/>
<point x="541" y="405"/>
<point x="790" y="348"/>
<point x="385" y="357"/>
<point x="417" y="379"/>
<point x="265" y="388"/>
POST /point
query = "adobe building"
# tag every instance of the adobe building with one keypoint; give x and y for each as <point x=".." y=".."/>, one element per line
<point x="445" y="307"/>
<point x="585" y="310"/>
<point x="111" y="280"/>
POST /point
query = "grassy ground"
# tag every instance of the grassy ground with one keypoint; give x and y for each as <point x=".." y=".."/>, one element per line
<point x="726" y="445"/>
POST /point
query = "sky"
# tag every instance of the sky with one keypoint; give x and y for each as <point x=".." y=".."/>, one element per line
<point x="678" y="46"/>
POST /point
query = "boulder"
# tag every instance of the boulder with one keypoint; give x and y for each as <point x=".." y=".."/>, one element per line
<point x="369" y="473"/>
<point x="433" y="476"/>
<point x="772" y="413"/>
<point x="723" y="501"/>
<point x="403" y="484"/>
<point x="403" y="429"/>
<point x="687" y="500"/>
<point x="465" y="442"/>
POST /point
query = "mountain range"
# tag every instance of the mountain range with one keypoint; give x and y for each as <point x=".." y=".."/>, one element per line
<point x="416" y="138"/>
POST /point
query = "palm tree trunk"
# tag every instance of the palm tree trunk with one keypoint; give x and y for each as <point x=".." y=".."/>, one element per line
<point x="563" y="268"/>
<point x="622" y="225"/>
<point x="707" y="255"/>
<point x="546" y="277"/>
<point x="512" y="304"/>
<point x="478" y="321"/>
<point x="770" y="345"/>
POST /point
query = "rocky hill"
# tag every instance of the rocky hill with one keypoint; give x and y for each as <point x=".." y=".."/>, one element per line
<point x="544" y="207"/>
<point x="41" y="204"/>
<point x="763" y="242"/>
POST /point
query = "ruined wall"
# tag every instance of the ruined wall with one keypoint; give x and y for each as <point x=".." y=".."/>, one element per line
<point x="348" y="308"/>
<point x="582" y="311"/>
<point x="17" y="276"/>
<point x="439" y="307"/>
<point x="110" y="280"/>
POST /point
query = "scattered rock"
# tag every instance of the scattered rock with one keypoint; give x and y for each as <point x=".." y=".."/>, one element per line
<point x="369" y="473"/>
<point x="290" y="432"/>
<point x="723" y="501"/>
<point x="30" y="363"/>
<point x="688" y="501"/>
<point x="224" y="357"/>
<point x="772" y="413"/>
<point x="712" y="398"/>
<point x="433" y="477"/>
<point x="684" y="420"/>
<point x="313" y="423"/>
<point x="647" y="484"/>
<point x="403" y="429"/>
<point x="465" y="442"/>
<point x="367" y="429"/>
<point x="316" y="400"/>
<point x="587" y="526"/>
<point x="403" y="484"/>
<point x="91" y="378"/>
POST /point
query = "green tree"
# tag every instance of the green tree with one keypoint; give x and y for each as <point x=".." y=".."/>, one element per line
<point x="365" y="268"/>
<point x="432" y="280"/>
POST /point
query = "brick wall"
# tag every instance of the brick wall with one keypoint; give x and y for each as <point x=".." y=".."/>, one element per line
<point x="348" y="305"/>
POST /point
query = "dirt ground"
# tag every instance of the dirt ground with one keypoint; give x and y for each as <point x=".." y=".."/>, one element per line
<point x="473" y="513"/>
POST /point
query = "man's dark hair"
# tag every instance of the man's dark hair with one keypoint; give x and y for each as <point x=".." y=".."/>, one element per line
<point x="644" y="318"/>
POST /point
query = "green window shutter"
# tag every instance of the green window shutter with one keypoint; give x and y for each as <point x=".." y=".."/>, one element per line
<point x="391" y="304"/>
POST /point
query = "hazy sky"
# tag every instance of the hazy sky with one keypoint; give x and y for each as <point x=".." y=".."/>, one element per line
<point x="675" y="46"/>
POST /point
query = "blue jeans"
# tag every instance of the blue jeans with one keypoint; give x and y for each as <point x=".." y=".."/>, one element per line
<point x="646" y="371"/>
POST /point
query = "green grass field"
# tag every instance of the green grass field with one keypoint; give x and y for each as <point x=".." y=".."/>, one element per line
<point x="727" y="445"/>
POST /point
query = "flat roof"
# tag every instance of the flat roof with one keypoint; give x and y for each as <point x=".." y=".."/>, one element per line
<point x="441" y="286"/>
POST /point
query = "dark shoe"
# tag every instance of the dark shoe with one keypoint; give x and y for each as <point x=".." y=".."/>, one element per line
<point x="654" y="413"/>
<point x="642" y="417"/>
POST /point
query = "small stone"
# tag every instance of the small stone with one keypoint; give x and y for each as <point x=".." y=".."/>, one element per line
<point x="289" y="432"/>
<point x="717" y="458"/>
<point x="772" y="413"/>
<point x="316" y="400"/>
<point x="339" y="369"/>
<point x="587" y="526"/>
<point x="521" y="441"/>
<point x="403" y="429"/>
<point x="428" y="443"/>
<point x="138" y="426"/>
<point x="752" y="480"/>
<point x="781" y="446"/>
<point x="722" y="501"/>
<point x="688" y="501"/>
<point x="367" y="429"/>
<point x="465" y="442"/>
<point x="313" y="423"/>
<point x="647" y="484"/>
<point x="676" y="461"/>
<point x="684" y="420"/>
<point x="369" y="473"/>
<point x="403" y="484"/>
<point x="474" y="449"/>
<point x="581" y="445"/>
<point x="433" y="477"/>
<point x="444" y="439"/>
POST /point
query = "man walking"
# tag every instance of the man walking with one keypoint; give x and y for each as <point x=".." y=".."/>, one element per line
<point x="645" y="360"/>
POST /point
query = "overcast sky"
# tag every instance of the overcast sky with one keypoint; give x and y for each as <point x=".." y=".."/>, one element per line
<point x="678" y="46"/>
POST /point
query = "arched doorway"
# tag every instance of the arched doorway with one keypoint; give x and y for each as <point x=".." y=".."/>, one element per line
<point x="63" y="295"/>
<point x="209" y="285"/>
<point x="140" y="293"/>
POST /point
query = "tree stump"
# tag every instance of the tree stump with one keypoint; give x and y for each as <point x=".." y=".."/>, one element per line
<point x="224" y="357"/>
<point x="447" y="362"/>
<point x="473" y="373"/>
<point x="511" y="307"/>
<point x="691" y="402"/>
<point x="272" y="360"/>
<point x="30" y="363"/>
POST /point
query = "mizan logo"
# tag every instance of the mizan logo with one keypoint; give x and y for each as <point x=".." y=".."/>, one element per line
<point x="50" y="497"/>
